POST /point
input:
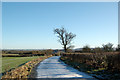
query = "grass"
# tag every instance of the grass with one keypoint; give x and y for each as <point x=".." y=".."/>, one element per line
<point x="25" y="70"/>
<point x="13" y="62"/>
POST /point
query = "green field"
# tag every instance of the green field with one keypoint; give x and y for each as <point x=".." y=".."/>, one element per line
<point x="13" y="62"/>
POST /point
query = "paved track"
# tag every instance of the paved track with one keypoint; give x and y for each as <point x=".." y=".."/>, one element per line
<point x="53" y="67"/>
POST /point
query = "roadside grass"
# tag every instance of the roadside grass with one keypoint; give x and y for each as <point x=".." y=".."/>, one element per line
<point x="9" y="63"/>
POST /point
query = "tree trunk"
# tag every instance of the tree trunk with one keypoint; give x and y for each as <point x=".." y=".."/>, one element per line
<point x="65" y="49"/>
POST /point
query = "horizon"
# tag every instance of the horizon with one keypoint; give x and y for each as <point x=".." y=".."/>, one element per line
<point x="30" y="25"/>
<point x="49" y="48"/>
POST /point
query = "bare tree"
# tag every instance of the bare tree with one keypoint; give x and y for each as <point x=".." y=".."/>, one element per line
<point x="65" y="38"/>
<point x="108" y="47"/>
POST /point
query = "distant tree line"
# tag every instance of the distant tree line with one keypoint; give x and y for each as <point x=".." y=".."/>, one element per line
<point x="65" y="38"/>
<point x="26" y="53"/>
<point x="105" y="48"/>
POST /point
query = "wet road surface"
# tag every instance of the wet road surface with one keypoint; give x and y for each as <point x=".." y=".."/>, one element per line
<point x="53" y="67"/>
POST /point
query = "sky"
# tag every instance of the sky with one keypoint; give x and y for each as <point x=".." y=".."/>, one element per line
<point x="30" y="25"/>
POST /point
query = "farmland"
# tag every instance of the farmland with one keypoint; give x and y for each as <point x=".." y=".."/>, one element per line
<point x="19" y="63"/>
<point x="23" y="71"/>
<point x="13" y="62"/>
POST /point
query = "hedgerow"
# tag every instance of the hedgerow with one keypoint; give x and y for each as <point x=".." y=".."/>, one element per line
<point x="106" y="64"/>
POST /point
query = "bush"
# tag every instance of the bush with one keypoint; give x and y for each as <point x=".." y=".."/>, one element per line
<point x="109" y="61"/>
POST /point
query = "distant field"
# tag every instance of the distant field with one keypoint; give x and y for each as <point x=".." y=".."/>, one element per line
<point x="13" y="62"/>
<point x="10" y="54"/>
